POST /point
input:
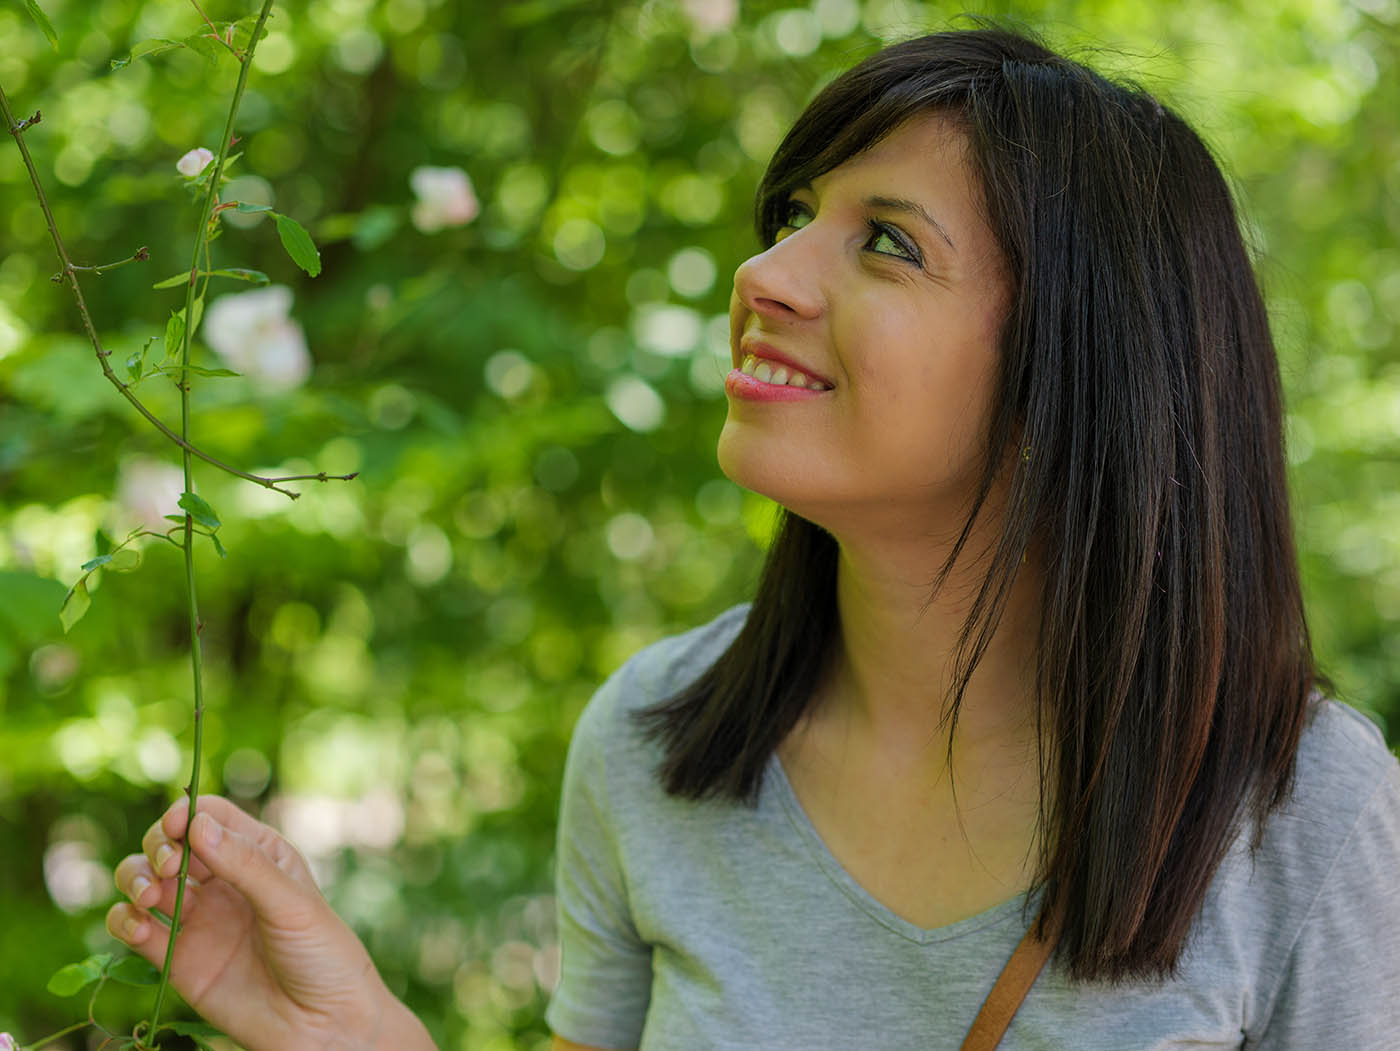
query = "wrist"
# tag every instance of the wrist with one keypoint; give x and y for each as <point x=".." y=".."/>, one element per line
<point x="397" y="1028"/>
<point x="401" y="1030"/>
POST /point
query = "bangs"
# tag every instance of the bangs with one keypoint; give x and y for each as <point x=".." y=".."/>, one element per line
<point x="851" y="115"/>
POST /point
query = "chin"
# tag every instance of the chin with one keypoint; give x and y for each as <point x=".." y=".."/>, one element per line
<point x="756" y="465"/>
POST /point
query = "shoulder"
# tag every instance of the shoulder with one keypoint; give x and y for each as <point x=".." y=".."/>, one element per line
<point x="1341" y="817"/>
<point x="1345" y="798"/>
<point x="1323" y="894"/>
<point x="1344" y="772"/>
<point x="1337" y="827"/>
<point x="653" y="674"/>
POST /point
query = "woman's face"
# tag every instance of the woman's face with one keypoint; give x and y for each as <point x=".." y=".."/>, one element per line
<point x="886" y="290"/>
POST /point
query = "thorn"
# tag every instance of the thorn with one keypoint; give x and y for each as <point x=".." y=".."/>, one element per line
<point x="142" y="254"/>
<point x="199" y="627"/>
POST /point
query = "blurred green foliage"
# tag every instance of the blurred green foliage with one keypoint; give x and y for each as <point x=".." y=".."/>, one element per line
<point x="531" y="399"/>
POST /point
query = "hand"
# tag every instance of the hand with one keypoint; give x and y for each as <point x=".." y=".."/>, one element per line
<point x="261" y="955"/>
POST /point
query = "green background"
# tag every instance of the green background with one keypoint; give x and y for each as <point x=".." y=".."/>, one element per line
<point x="531" y="401"/>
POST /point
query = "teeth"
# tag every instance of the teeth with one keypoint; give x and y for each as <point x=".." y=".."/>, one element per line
<point x="779" y="375"/>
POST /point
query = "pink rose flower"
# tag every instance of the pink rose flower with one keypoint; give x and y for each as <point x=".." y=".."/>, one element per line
<point x="445" y="198"/>
<point x="190" y="164"/>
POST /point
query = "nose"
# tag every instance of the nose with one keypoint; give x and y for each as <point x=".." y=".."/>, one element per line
<point x="781" y="283"/>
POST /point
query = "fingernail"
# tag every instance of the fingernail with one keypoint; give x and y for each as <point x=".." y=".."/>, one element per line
<point x="130" y="926"/>
<point x="163" y="855"/>
<point x="138" y="887"/>
<point x="212" y="832"/>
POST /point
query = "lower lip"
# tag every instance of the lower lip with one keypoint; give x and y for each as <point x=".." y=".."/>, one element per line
<point x="739" y="384"/>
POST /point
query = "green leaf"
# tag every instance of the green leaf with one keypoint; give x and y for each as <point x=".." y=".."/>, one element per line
<point x="243" y="31"/>
<point x="75" y="604"/>
<point x="145" y="49"/>
<point x="200" y="511"/>
<point x="174" y="518"/>
<point x="132" y="970"/>
<point x="182" y="278"/>
<point x="218" y="546"/>
<point x="202" y="44"/>
<point x="70" y="979"/>
<point x="249" y="206"/>
<point x="196" y="370"/>
<point x="174" y="333"/>
<point x="298" y="244"/>
<point x="239" y="273"/>
<point x="42" y="20"/>
<point x="124" y="560"/>
<point x="136" y="363"/>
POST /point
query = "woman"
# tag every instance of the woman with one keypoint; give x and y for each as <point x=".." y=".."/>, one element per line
<point x="1027" y="665"/>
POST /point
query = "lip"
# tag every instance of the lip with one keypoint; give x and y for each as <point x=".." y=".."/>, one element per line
<point x="738" y="384"/>
<point x="773" y="354"/>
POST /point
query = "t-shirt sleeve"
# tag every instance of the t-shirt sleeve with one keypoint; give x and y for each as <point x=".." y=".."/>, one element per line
<point x="605" y="969"/>
<point x="1342" y="984"/>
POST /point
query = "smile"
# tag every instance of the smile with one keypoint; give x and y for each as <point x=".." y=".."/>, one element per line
<point x="780" y="375"/>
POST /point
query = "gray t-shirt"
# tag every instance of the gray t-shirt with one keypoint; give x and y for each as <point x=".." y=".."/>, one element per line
<point x="688" y="926"/>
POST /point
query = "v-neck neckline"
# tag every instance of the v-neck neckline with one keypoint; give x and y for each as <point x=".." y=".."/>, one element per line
<point x="882" y="914"/>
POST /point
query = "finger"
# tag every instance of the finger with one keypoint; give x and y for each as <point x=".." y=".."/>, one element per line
<point x="135" y="879"/>
<point x="136" y="929"/>
<point x="228" y="814"/>
<point x="262" y="877"/>
<point x="231" y="816"/>
<point x="163" y="853"/>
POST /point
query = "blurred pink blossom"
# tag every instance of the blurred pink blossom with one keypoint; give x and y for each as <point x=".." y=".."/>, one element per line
<point x="256" y="335"/>
<point x="192" y="163"/>
<point x="7" y="1042"/>
<point x="445" y="198"/>
<point x="148" y="490"/>
<point x="711" y="16"/>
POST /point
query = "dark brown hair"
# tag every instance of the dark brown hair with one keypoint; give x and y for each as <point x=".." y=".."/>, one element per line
<point x="1174" y="668"/>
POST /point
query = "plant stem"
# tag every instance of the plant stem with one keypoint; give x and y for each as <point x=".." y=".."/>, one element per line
<point x="54" y="1036"/>
<point x="71" y="273"/>
<point x="196" y="662"/>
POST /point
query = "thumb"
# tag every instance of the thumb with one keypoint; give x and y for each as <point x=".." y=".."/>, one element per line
<point x="254" y="871"/>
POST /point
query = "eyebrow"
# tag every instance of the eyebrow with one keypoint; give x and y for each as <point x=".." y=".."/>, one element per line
<point x="899" y="204"/>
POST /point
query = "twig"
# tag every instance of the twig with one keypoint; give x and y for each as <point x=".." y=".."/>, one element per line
<point x="233" y="50"/>
<point x="142" y="254"/>
<point x="70" y="271"/>
<point x="196" y="658"/>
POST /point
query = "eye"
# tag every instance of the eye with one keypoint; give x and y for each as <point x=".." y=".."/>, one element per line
<point x="794" y="216"/>
<point x="892" y="241"/>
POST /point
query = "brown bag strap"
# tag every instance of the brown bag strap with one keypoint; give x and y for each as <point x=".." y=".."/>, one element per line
<point x="1002" y="1002"/>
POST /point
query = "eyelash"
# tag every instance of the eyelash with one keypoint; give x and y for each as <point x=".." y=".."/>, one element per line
<point x="877" y="229"/>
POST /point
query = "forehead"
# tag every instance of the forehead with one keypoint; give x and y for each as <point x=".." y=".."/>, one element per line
<point x="925" y="159"/>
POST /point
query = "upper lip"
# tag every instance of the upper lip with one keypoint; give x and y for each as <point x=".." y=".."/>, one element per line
<point x="768" y="352"/>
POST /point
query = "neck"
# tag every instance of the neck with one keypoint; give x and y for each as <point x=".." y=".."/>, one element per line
<point x="894" y="669"/>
